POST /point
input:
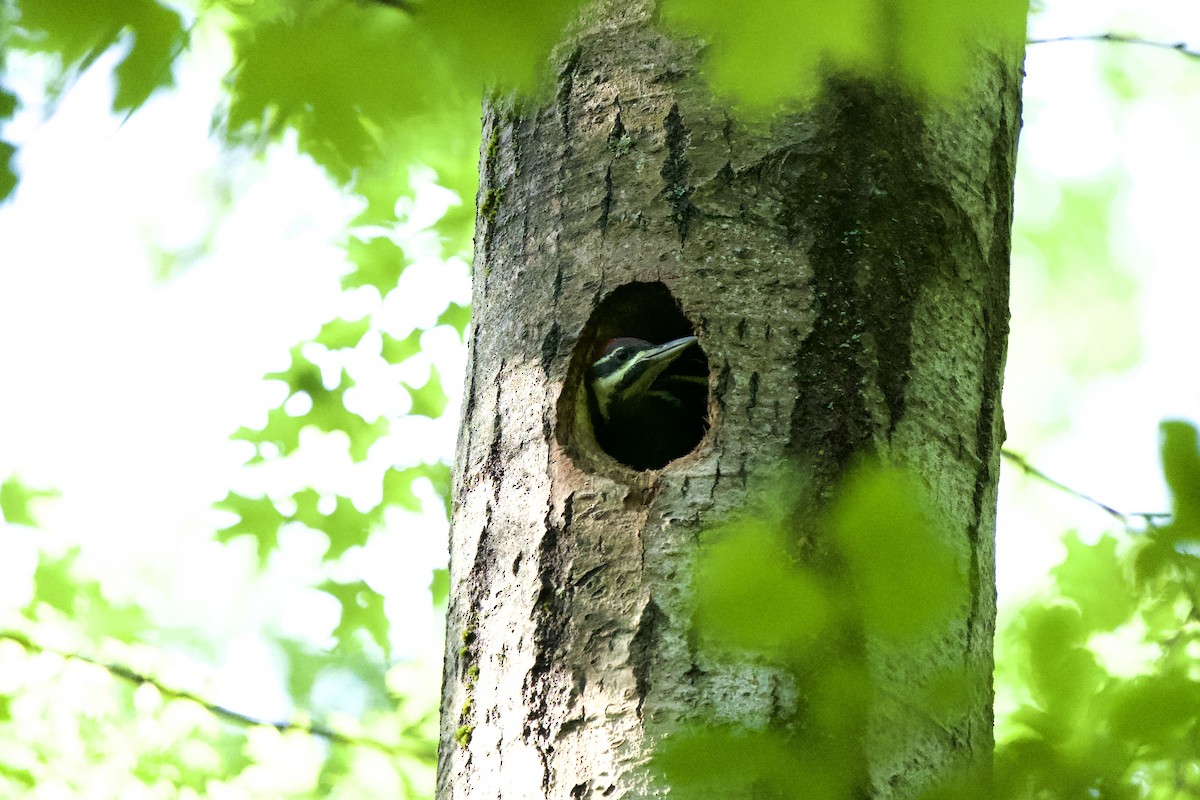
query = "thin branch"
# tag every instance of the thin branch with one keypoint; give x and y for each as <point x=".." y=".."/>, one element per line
<point x="1121" y="38"/>
<point x="227" y="714"/>
<point x="1123" y="517"/>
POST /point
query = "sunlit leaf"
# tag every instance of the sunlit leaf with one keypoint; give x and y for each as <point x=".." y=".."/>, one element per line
<point x="305" y="665"/>
<point x="428" y="400"/>
<point x="377" y="262"/>
<point x="339" y="333"/>
<point x="457" y="316"/>
<point x="80" y="30"/>
<point x="751" y="594"/>
<point x="497" y="43"/>
<point x="55" y="584"/>
<point x="336" y="72"/>
<point x="713" y="761"/>
<point x="258" y="518"/>
<point x="327" y="413"/>
<point x="345" y="526"/>
<point x="15" y="501"/>
<point x="1093" y="576"/>
<point x="362" y="610"/>
<point x="396" y="350"/>
<point x="439" y="588"/>
<point x="8" y="169"/>
<point x="1181" y="470"/>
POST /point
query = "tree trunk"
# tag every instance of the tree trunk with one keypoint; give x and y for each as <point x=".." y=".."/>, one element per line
<point x="846" y="272"/>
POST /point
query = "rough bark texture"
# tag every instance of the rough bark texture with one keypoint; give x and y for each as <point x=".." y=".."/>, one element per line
<point x="847" y="274"/>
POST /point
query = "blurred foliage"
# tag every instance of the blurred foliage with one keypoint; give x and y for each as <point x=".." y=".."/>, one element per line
<point x="877" y="563"/>
<point x="1080" y="728"/>
<point x="1087" y="728"/>
<point x="17" y="500"/>
<point x="775" y="49"/>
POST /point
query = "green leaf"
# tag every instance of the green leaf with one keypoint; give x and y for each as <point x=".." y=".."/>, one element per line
<point x="457" y="316"/>
<point x="80" y="30"/>
<point x="1093" y="577"/>
<point x="493" y="43"/>
<point x="15" y="500"/>
<point x="377" y="262"/>
<point x="775" y="50"/>
<point x="751" y="595"/>
<point x="337" y="73"/>
<point x="439" y="588"/>
<point x="55" y="584"/>
<point x="428" y="400"/>
<point x="1181" y="469"/>
<point x="1063" y="674"/>
<point x="258" y="518"/>
<point x="896" y="549"/>
<point x="362" y="609"/>
<point x="397" y="484"/>
<point x="712" y="762"/>
<point x="301" y="375"/>
<point x="396" y="350"/>
<point x="328" y="412"/>
<point x="8" y="173"/>
<point x="1156" y="710"/>
<point x="158" y="37"/>
<point x="282" y="430"/>
<point x="345" y="526"/>
<point x="340" y="334"/>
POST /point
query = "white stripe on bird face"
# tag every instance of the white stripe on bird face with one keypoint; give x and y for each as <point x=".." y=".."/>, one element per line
<point x="630" y="366"/>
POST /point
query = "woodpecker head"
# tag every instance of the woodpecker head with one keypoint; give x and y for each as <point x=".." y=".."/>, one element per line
<point x="648" y="403"/>
<point x="627" y="369"/>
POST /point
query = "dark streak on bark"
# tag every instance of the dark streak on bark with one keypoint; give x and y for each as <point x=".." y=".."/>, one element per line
<point x="550" y="344"/>
<point x="616" y="143"/>
<point x="721" y="387"/>
<point x="566" y="85"/>
<point x="750" y="406"/>
<point x="606" y="201"/>
<point x="869" y="263"/>
<point x="489" y="191"/>
<point x="469" y="407"/>
<point x="541" y="689"/>
<point x="675" y="172"/>
<point x="493" y="467"/>
<point x="558" y="279"/>
<point x="643" y="648"/>
<point x="478" y="581"/>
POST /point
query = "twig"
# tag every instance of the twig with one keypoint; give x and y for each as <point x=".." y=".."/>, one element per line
<point x="1121" y="38"/>
<point x="1123" y="517"/>
<point x="228" y="714"/>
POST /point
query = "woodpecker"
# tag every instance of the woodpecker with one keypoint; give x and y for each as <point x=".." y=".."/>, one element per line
<point x="649" y="400"/>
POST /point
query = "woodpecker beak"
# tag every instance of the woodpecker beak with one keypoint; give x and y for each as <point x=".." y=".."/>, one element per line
<point x="661" y="357"/>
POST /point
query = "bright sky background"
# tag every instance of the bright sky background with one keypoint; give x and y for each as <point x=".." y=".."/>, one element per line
<point x="121" y="390"/>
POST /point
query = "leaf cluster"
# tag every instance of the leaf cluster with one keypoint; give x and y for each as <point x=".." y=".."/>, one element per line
<point x="1087" y="728"/>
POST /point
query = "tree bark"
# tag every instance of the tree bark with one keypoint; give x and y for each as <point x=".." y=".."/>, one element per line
<point x="846" y="271"/>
